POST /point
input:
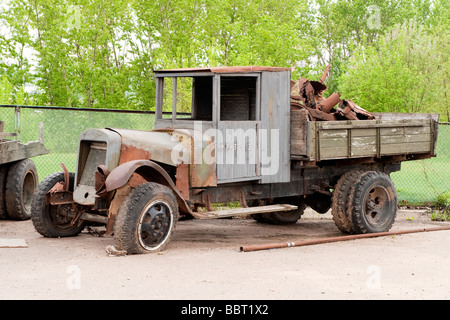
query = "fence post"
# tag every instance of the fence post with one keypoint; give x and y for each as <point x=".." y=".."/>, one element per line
<point x="17" y="121"/>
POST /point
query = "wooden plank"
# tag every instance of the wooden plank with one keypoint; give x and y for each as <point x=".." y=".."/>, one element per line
<point x="366" y="124"/>
<point x="405" y="139"/>
<point x="332" y="153"/>
<point x="332" y="134"/>
<point x="363" y="146"/>
<point x="13" y="243"/>
<point x="403" y="116"/>
<point x="415" y="147"/>
<point x="298" y="133"/>
<point x="298" y="147"/>
<point x="252" y="210"/>
<point x="364" y="151"/>
<point x="404" y="130"/>
<point x="362" y="141"/>
<point x="11" y="151"/>
<point x="7" y="134"/>
<point x="364" y="132"/>
<point x="332" y="143"/>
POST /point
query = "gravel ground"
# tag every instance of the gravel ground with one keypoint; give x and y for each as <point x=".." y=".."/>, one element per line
<point x="203" y="261"/>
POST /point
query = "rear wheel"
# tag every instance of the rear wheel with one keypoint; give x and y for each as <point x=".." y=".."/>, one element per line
<point x="3" y="173"/>
<point x="52" y="220"/>
<point x="146" y="219"/>
<point x="339" y="206"/>
<point x="373" y="203"/>
<point x="21" y="182"/>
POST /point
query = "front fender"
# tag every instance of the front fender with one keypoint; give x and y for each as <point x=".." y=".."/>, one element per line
<point x="150" y="171"/>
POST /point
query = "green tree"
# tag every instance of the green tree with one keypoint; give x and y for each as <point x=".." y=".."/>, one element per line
<point x="14" y="43"/>
<point x="337" y="28"/>
<point x="5" y="91"/>
<point x="405" y="72"/>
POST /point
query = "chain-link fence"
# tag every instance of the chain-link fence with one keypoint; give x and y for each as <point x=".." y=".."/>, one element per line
<point x="418" y="182"/>
<point x="424" y="181"/>
<point x="62" y="128"/>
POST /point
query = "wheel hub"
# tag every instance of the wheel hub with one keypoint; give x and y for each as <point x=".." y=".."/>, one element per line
<point x="154" y="225"/>
<point x="376" y="205"/>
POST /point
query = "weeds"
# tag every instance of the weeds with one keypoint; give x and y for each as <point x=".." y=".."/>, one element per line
<point x="438" y="215"/>
<point x="441" y="211"/>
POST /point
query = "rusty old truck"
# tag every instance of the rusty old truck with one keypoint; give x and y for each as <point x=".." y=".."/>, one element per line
<point x="248" y="135"/>
<point x="18" y="174"/>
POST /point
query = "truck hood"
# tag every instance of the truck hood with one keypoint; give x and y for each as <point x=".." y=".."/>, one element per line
<point x="167" y="146"/>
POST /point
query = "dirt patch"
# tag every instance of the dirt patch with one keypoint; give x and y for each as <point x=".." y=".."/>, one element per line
<point x="203" y="261"/>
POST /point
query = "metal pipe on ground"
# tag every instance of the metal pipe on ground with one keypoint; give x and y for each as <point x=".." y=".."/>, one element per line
<point x="335" y="239"/>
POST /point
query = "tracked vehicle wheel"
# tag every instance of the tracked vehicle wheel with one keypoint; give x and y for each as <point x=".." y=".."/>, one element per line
<point x="373" y="203"/>
<point x="146" y="219"/>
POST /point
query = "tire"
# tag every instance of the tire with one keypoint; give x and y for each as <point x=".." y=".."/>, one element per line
<point x="287" y="217"/>
<point x="3" y="174"/>
<point x="319" y="202"/>
<point x="21" y="183"/>
<point x="146" y="219"/>
<point x="47" y="219"/>
<point x="373" y="203"/>
<point x="339" y="205"/>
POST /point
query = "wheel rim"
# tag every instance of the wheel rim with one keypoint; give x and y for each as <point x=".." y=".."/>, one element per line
<point x="60" y="217"/>
<point x="378" y="206"/>
<point x="155" y="225"/>
<point x="29" y="186"/>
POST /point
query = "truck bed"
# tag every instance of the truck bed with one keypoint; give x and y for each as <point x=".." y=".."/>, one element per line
<point x="11" y="151"/>
<point x="389" y="135"/>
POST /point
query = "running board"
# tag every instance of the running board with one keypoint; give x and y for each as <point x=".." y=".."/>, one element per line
<point x="251" y="210"/>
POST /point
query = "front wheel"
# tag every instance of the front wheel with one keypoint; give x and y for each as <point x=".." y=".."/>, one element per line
<point x="53" y="221"/>
<point x="146" y="219"/>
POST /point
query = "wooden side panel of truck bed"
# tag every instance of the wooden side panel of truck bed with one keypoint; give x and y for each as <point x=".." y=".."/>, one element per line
<point x="328" y="140"/>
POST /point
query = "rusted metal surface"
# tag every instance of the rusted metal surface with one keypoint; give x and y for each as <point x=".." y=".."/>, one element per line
<point x="60" y="193"/>
<point x="66" y="177"/>
<point x="119" y="197"/>
<point x="59" y="197"/>
<point x="309" y="95"/>
<point x="148" y="170"/>
<point x="100" y="178"/>
<point x="129" y="153"/>
<point x="335" y="239"/>
<point x="225" y="69"/>
<point x="182" y="182"/>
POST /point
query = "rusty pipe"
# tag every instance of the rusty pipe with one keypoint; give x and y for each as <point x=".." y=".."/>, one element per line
<point x="330" y="102"/>
<point x="335" y="239"/>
